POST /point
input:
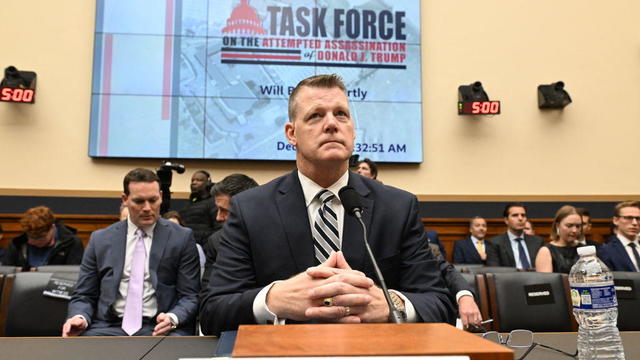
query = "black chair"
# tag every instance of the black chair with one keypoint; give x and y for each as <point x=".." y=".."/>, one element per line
<point x="529" y="300"/>
<point x="628" y="293"/>
<point x="480" y="294"/>
<point x="25" y="311"/>
<point x="491" y="269"/>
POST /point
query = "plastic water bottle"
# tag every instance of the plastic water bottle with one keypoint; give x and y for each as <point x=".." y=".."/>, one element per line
<point x="595" y="307"/>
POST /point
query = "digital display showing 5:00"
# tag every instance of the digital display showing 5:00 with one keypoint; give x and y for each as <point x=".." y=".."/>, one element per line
<point x="478" y="107"/>
<point x="17" y="95"/>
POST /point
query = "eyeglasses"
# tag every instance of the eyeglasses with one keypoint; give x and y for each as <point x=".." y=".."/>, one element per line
<point x="630" y="218"/>
<point x="521" y="339"/>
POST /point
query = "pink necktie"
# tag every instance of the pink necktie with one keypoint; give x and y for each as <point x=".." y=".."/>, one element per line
<point x="132" y="319"/>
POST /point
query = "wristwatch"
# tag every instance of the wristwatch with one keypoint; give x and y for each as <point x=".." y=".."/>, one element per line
<point x="398" y="303"/>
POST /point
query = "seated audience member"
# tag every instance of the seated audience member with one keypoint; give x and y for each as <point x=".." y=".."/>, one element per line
<point x="45" y="241"/>
<point x="584" y="238"/>
<point x="368" y="168"/>
<point x="561" y="253"/>
<point x="290" y="252"/>
<point x="472" y="249"/>
<point x="124" y="212"/>
<point x="514" y="248"/>
<point x="528" y="228"/>
<point x="434" y="239"/>
<point x="175" y="217"/>
<point x="200" y="213"/>
<point x="139" y="276"/>
<point x="222" y="193"/>
<point x="621" y="253"/>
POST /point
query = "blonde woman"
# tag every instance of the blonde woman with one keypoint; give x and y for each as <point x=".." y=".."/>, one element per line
<point x="561" y="253"/>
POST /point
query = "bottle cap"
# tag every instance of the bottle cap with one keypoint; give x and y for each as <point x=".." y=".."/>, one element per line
<point x="586" y="250"/>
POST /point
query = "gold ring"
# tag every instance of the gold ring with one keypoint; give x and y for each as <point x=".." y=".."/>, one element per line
<point x="328" y="301"/>
<point x="347" y="311"/>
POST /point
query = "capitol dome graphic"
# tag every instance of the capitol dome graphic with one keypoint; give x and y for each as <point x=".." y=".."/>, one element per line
<point x="244" y="20"/>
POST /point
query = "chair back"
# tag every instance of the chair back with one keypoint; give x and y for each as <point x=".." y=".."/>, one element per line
<point x="628" y="293"/>
<point x="465" y="268"/>
<point x="480" y="294"/>
<point x="491" y="269"/>
<point x="539" y="302"/>
<point x="25" y="311"/>
<point x="59" y="268"/>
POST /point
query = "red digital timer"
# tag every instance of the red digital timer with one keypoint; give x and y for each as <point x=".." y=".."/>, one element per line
<point x="478" y="107"/>
<point x="17" y="95"/>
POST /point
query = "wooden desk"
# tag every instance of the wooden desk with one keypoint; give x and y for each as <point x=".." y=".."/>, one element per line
<point x="364" y="340"/>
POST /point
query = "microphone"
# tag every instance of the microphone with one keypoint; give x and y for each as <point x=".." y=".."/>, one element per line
<point x="351" y="202"/>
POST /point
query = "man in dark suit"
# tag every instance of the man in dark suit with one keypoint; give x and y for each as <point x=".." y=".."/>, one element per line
<point x="222" y="192"/>
<point x="514" y="248"/>
<point x="139" y="276"/>
<point x="290" y="253"/>
<point x="472" y="250"/>
<point x="621" y="253"/>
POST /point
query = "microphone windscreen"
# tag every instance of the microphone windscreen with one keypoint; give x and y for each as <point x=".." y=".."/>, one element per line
<point x="350" y="199"/>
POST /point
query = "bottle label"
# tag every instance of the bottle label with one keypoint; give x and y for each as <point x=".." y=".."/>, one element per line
<point x="594" y="298"/>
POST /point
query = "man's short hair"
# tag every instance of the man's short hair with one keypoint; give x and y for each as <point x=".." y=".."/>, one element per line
<point x="373" y="168"/>
<point x="37" y="221"/>
<point x="508" y="207"/>
<point x="233" y="184"/>
<point x="326" y="81"/>
<point x="475" y="218"/>
<point x="583" y="212"/>
<point x="139" y="175"/>
<point x="625" y="204"/>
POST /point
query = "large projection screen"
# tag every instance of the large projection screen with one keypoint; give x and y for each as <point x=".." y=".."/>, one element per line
<point x="200" y="79"/>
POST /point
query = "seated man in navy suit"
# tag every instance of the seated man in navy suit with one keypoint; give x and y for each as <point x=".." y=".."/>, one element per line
<point x="289" y="251"/>
<point x="472" y="249"/>
<point x="139" y="276"/>
<point x="621" y="253"/>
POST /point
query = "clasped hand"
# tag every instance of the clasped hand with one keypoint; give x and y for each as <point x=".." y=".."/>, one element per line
<point x="354" y="297"/>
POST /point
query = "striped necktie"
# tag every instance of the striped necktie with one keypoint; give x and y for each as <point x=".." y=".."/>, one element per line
<point x="325" y="228"/>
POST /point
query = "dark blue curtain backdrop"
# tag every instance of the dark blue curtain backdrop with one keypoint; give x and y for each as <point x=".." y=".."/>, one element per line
<point x="428" y="209"/>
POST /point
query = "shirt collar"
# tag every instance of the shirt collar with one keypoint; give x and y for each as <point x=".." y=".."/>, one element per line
<point x="513" y="237"/>
<point x="475" y="239"/>
<point x="131" y="228"/>
<point x="311" y="189"/>
<point x="624" y="240"/>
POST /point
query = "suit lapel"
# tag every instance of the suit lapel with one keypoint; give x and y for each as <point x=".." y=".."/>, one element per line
<point x="119" y="251"/>
<point x="623" y="255"/>
<point x="295" y="221"/>
<point x="529" y="240"/>
<point x="508" y="250"/>
<point x="158" y="243"/>
<point x="474" y="251"/>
